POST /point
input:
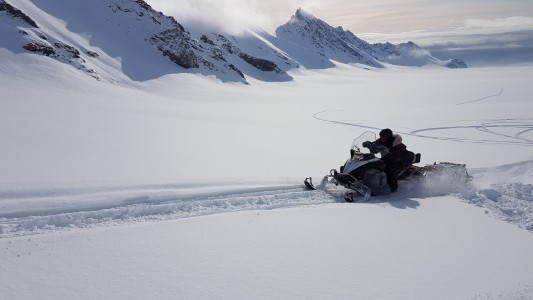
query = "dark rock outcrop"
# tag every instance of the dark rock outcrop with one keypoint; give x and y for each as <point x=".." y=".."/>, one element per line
<point x="456" y="64"/>
<point x="16" y="13"/>
<point x="35" y="41"/>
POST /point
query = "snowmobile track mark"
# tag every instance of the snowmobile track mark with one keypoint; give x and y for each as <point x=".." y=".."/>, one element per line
<point x="522" y="127"/>
<point x="157" y="207"/>
<point x="482" y="98"/>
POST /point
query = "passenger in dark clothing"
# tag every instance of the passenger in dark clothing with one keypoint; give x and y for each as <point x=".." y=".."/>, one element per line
<point x="395" y="155"/>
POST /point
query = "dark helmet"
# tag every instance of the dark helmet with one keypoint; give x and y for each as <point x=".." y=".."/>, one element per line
<point x="386" y="133"/>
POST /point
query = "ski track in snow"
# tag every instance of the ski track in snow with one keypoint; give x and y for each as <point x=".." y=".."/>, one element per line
<point x="127" y="205"/>
<point x="512" y="202"/>
<point x="482" y="98"/>
<point x="520" y="127"/>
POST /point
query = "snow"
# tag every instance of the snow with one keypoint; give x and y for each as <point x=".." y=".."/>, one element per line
<point x="371" y="251"/>
<point x="181" y="186"/>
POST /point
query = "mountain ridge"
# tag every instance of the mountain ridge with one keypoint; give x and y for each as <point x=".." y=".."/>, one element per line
<point x="117" y="33"/>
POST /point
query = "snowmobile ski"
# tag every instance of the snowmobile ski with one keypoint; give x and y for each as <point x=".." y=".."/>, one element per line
<point x="309" y="183"/>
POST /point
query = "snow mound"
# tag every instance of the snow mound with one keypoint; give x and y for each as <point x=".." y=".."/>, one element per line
<point x="506" y="192"/>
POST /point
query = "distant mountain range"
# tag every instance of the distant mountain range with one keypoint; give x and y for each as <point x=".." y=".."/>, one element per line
<point x="110" y="39"/>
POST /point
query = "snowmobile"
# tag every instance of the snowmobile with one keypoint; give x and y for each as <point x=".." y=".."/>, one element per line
<point x="364" y="172"/>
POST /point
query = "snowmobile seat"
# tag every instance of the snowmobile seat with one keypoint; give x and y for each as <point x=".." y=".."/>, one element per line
<point x="407" y="167"/>
<point x="410" y="171"/>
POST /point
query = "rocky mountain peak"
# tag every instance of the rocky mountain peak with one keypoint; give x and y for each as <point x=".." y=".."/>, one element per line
<point x="335" y="43"/>
<point x="303" y="15"/>
<point x="343" y="46"/>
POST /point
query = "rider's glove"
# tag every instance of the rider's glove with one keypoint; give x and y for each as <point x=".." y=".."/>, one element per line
<point x="367" y="144"/>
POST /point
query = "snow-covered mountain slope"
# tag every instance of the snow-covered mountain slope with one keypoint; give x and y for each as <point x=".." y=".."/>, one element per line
<point x="410" y="54"/>
<point x="341" y="45"/>
<point x="112" y="37"/>
<point x="129" y="37"/>
<point x="20" y="32"/>
<point x="309" y="32"/>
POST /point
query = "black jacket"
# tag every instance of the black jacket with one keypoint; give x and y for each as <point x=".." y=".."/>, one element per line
<point x="396" y="151"/>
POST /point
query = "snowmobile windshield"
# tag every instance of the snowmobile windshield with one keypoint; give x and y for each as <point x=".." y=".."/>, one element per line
<point x="357" y="145"/>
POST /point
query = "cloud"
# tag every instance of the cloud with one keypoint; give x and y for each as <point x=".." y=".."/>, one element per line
<point x="480" y="42"/>
<point x="229" y="16"/>
<point x="311" y="6"/>
<point x="500" y="23"/>
<point x="480" y="33"/>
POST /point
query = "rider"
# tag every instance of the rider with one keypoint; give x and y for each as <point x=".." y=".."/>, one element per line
<point x="394" y="154"/>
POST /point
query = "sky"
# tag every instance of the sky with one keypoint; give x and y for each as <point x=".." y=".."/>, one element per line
<point x="489" y="30"/>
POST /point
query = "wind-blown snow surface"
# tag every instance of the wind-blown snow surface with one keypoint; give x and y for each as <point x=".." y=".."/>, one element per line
<point x="98" y="184"/>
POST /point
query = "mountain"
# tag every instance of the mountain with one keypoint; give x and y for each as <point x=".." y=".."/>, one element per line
<point x="109" y="39"/>
<point x="309" y="32"/>
<point x="343" y="46"/>
<point x="119" y="34"/>
<point x="410" y="54"/>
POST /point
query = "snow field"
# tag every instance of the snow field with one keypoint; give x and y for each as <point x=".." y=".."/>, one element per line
<point x="333" y="251"/>
<point x="121" y="191"/>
